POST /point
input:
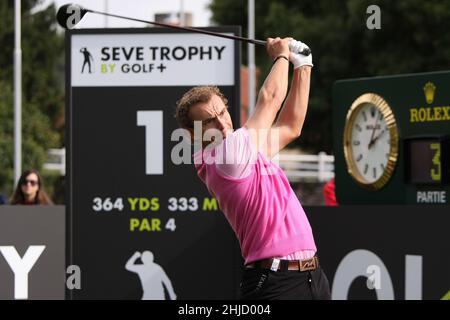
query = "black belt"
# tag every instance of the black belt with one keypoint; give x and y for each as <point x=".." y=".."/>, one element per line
<point x="284" y="265"/>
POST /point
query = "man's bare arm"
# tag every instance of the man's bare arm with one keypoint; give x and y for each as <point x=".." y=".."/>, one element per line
<point x="291" y="118"/>
<point x="289" y="124"/>
<point x="271" y="94"/>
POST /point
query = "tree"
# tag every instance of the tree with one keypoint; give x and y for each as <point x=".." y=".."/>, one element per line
<point x="42" y="96"/>
<point x="413" y="38"/>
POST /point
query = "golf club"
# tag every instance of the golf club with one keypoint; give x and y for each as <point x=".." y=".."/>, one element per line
<point x="69" y="15"/>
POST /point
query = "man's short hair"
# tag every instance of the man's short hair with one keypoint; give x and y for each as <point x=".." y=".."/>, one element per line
<point x="192" y="97"/>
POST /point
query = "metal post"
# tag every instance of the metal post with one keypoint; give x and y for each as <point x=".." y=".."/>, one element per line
<point x="105" y="5"/>
<point x="321" y="158"/>
<point x="251" y="58"/>
<point x="17" y="93"/>
<point x="182" y="18"/>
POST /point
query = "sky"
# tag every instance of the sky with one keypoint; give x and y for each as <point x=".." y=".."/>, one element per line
<point x="140" y="9"/>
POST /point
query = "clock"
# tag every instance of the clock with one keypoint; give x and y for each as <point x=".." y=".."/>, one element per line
<point x="370" y="141"/>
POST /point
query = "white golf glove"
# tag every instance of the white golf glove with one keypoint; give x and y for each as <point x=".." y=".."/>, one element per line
<point x="299" y="59"/>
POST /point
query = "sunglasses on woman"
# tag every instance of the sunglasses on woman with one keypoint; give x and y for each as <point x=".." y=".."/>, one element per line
<point x="32" y="182"/>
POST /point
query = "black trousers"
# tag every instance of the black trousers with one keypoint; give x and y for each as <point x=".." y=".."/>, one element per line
<point x="284" y="285"/>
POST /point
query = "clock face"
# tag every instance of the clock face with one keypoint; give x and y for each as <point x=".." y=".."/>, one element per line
<point x="370" y="141"/>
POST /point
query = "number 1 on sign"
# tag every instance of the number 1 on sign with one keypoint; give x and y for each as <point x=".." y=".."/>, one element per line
<point x="153" y="123"/>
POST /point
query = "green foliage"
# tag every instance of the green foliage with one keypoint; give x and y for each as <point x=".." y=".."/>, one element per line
<point x="54" y="185"/>
<point x="6" y="138"/>
<point x="42" y="89"/>
<point x="413" y="38"/>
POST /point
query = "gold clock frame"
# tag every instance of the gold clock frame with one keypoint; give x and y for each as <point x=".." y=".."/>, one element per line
<point x="388" y="115"/>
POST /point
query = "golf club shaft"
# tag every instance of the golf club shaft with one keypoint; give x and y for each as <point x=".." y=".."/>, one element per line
<point x="211" y="33"/>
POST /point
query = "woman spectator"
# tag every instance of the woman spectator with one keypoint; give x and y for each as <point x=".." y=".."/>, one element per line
<point x="30" y="191"/>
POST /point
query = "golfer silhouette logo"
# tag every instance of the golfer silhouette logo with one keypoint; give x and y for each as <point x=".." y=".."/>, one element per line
<point x="87" y="59"/>
<point x="152" y="277"/>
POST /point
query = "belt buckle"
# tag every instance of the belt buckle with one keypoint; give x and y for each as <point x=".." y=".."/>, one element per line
<point x="306" y="265"/>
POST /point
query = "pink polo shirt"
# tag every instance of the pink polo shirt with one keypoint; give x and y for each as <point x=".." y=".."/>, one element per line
<point x="257" y="200"/>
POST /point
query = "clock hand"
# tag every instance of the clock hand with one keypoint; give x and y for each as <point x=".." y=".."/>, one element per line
<point x="376" y="138"/>
<point x="373" y="132"/>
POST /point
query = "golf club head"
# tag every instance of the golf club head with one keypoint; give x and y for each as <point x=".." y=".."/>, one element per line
<point x="69" y="15"/>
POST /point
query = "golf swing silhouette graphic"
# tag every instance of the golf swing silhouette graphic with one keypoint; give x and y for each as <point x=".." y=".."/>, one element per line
<point x="87" y="59"/>
<point x="152" y="277"/>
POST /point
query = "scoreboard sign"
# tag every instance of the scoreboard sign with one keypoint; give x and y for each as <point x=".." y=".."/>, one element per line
<point x="393" y="139"/>
<point x="140" y="222"/>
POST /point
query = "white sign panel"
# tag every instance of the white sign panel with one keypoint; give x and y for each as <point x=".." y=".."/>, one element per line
<point x="170" y="59"/>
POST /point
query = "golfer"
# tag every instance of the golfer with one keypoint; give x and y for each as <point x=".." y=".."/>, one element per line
<point x="275" y="236"/>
